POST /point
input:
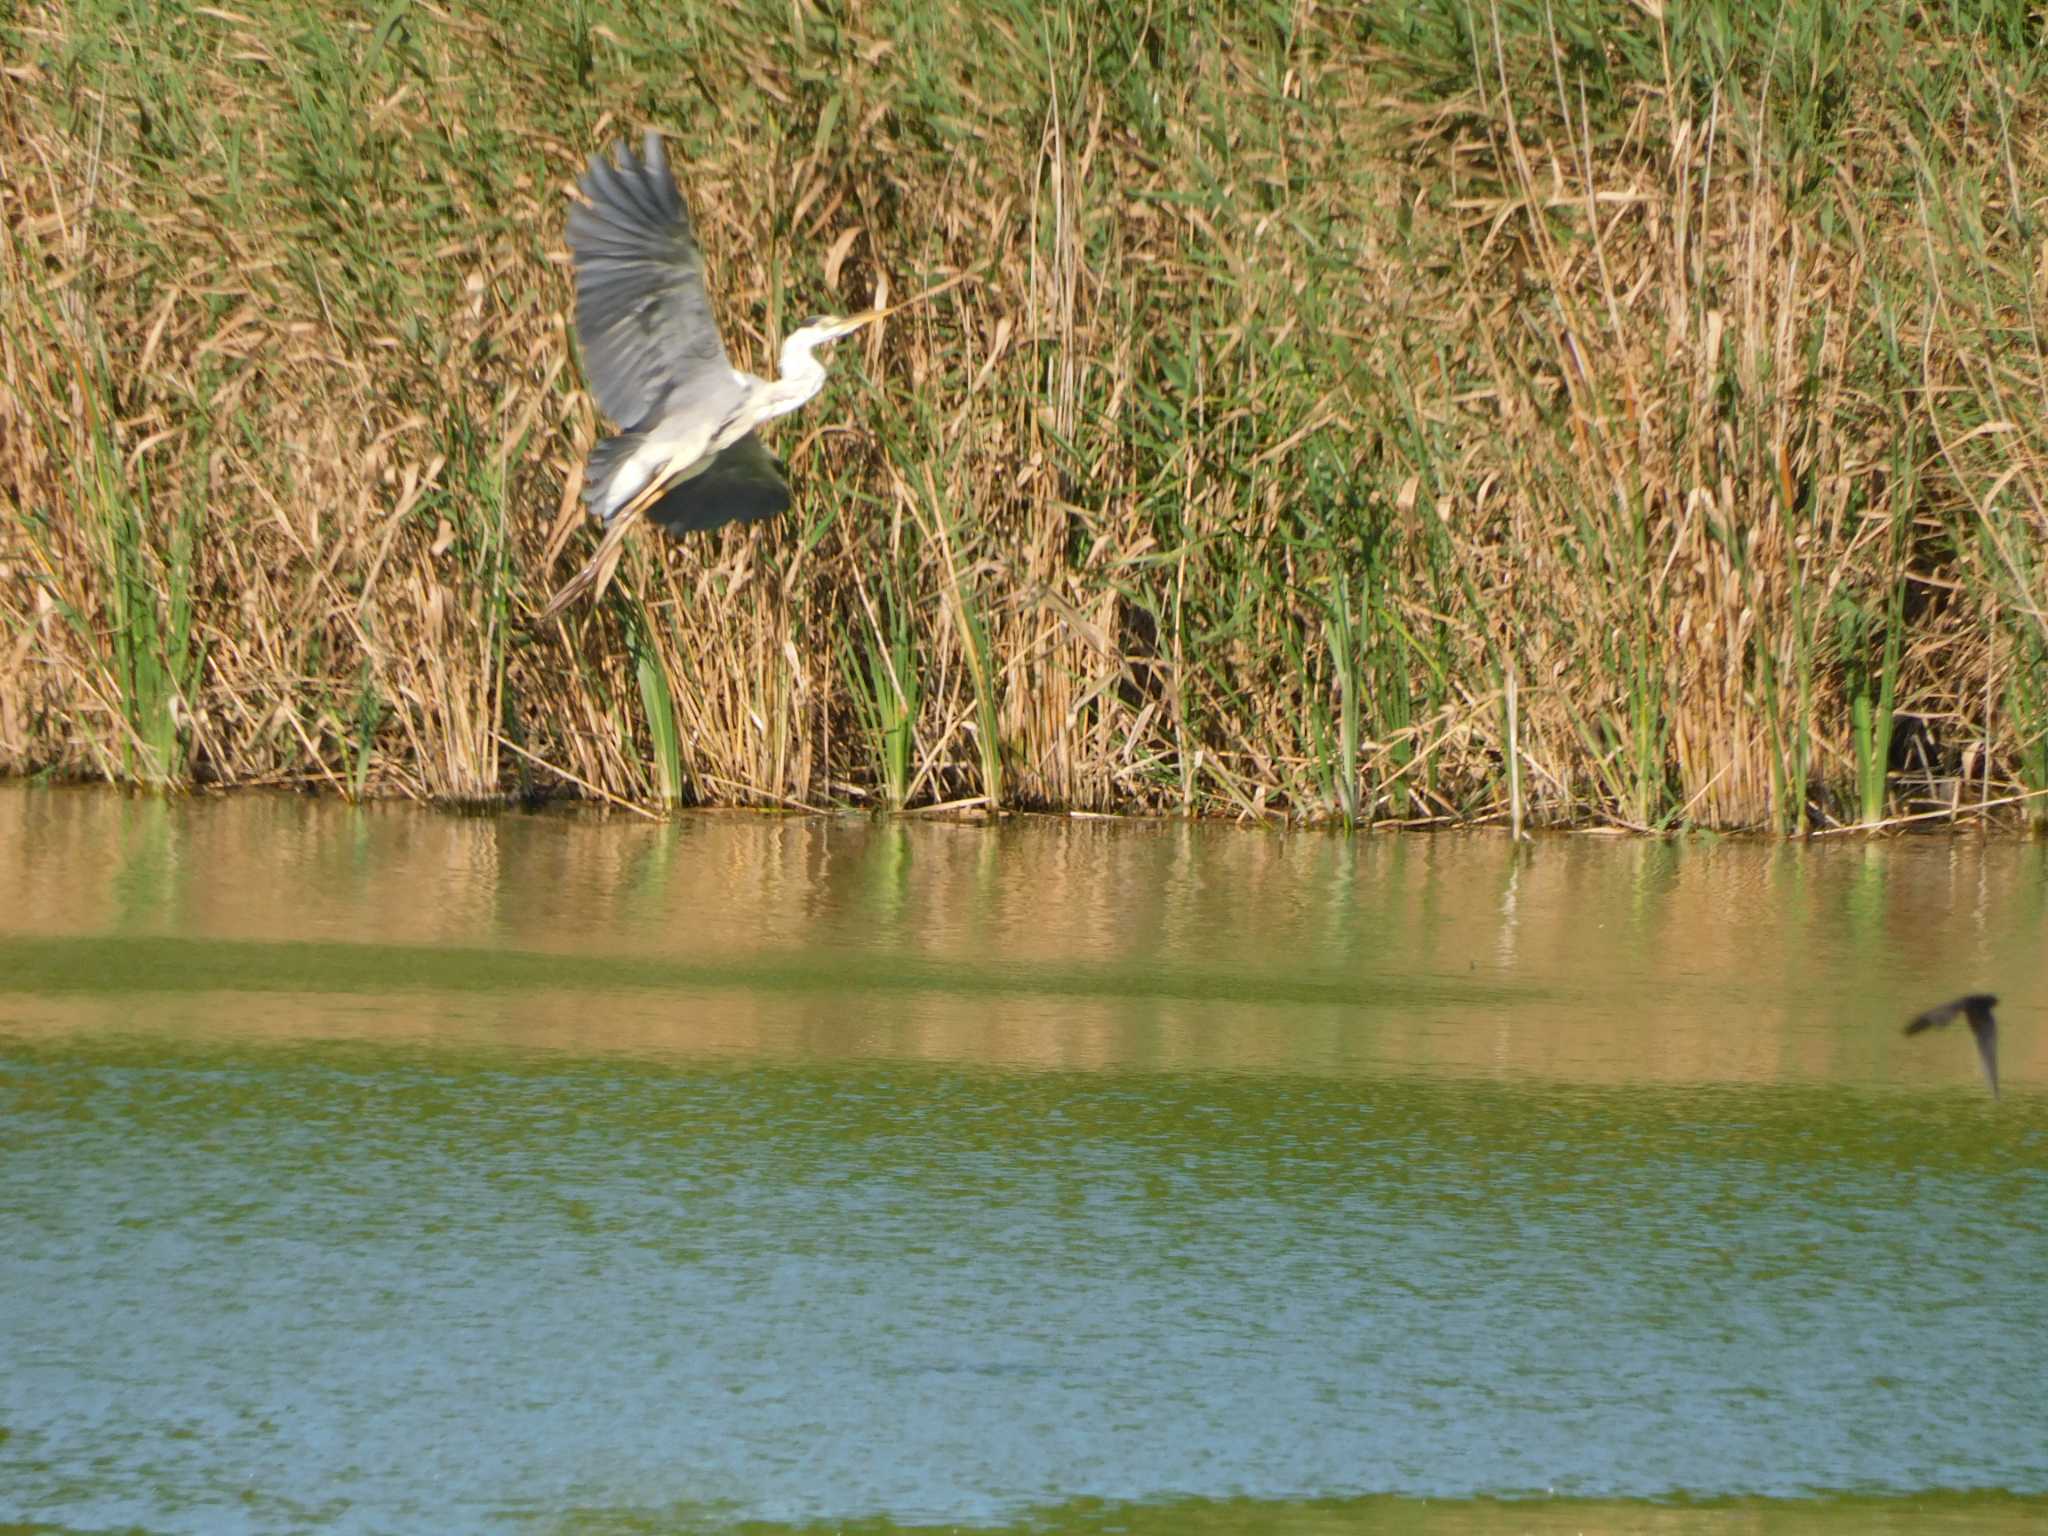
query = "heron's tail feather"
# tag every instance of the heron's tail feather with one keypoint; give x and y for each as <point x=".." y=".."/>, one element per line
<point x="606" y="460"/>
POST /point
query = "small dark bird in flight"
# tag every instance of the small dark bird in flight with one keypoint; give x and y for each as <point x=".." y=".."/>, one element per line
<point x="1977" y="1008"/>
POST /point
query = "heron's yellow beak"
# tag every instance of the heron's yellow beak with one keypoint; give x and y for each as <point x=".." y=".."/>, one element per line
<point x="867" y="316"/>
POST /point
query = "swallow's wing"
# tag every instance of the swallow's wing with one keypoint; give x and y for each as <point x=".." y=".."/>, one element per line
<point x="1935" y="1017"/>
<point x="1985" y="1028"/>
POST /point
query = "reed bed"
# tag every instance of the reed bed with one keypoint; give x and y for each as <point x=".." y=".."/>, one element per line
<point x="1320" y="370"/>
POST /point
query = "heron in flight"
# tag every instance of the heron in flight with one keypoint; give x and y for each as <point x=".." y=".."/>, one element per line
<point x="686" y="456"/>
<point x="1977" y="1009"/>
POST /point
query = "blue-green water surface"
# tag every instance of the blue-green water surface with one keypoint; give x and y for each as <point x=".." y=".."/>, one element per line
<point x="373" y="1170"/>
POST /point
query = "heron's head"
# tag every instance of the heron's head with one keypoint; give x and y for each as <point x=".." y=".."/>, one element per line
<point x="798" y="346"/>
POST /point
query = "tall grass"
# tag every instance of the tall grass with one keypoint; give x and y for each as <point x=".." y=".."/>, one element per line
<point x="1322" y="369"/>
<point x="880" y="663"/>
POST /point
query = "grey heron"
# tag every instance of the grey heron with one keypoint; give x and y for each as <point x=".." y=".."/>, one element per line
<point x="686" y="456"/>
<point x="1977" y="1008"/>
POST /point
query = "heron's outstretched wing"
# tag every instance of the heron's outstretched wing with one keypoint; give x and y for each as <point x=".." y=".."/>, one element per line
<point x="649" y="341"/>
<point x="742" y="484"/>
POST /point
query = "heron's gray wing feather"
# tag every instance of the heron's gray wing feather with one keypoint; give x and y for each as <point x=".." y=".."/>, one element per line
<point x="649" y="341"/>
<point x="742" y="484"/>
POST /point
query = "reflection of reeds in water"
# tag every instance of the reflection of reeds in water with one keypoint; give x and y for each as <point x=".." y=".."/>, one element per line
<point x="1051" y="943"/>
<point x="1315" y="382"/>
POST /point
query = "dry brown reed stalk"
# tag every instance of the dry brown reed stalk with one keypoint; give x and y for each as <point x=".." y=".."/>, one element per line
<point x="1707" y="405"/>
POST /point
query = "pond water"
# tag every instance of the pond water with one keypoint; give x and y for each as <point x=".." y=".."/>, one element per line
<point x="377" y="1170"/>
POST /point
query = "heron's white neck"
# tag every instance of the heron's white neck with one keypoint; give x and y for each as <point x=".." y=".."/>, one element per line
<point x="802" y="374"/>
